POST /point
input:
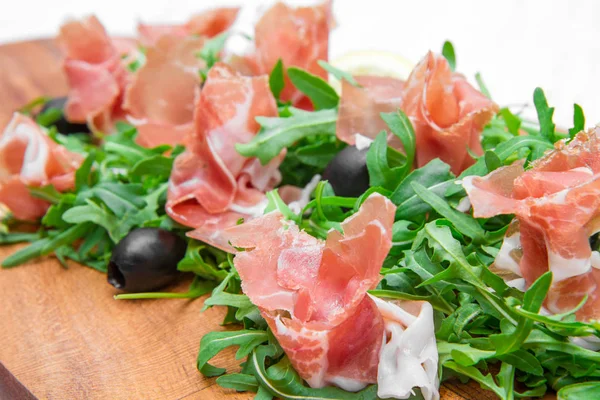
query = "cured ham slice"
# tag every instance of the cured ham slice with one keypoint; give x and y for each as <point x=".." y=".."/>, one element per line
<point x="28" y="157"/>
<point x="313" y="295"/>
<point x="207" y="24"/>
<point x="95" y="73"/>
<point x="297" y="36"/>
<point x="212" y="186"/>
<point x="360" y="107"/>
<point x="160" y="99"/>
<point x="447" y="113"/>
<point x="557" y="205"/>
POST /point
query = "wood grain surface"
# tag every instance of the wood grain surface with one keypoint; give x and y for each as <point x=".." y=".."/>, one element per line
<point x="65" y="337"/>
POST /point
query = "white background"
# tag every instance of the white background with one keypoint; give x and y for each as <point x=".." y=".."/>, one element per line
<point x="516" y="44"/>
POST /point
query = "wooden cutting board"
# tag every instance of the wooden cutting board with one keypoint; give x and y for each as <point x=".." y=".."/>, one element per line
<point x="65" y="337"/>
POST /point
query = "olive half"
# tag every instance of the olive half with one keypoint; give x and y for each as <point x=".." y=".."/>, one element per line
<point x="145" y="260"/>
<point x="62" y="124"/>
<point x="347" y="172"/>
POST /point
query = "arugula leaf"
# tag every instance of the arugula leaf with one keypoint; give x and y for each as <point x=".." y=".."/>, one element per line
<point x="492" y="161"/>
<point x="466" y="224"/>
<point x="435" y="176"/>
<point x="211" y="50"/>
<point x="578" y="121"/>
<point x="277" y="79"/>
<point x="204" y="261"/>
<point x="157" y="165"/>
<point x="338" y="73"/>
<point x="580" y="391"/>
<point x="239" y="382"/>
<point x="283" y="382"/>
<point x="482" y="86"/>
<point x="544" y="112"/>
<point x="279" y="133"/>
<point x="513" y="123"/>
<point x="448" y="53"/>
<point x="198" y="288"/>
<point x="214" y="342"/>
<point x="318" y="91"/>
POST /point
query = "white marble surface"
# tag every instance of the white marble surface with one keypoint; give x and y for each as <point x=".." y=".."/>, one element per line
<point x="516" y="44"/>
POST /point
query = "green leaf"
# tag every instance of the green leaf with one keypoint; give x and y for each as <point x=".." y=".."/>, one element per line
<point x="48" y="193"/>
<point x="436" y="302"/>
<point x="400" y="125"/>
<point x="204" y="261"/>
<point x="482" y="87"/>
<point x="119" y="198"/>
<point x="83" y="173"/>
<point x="524" y="361"/>
<point x="198" y="288"/>
<point x="239" y="382"/>
<point x="157" y="165"/>
<point x="435" y="176"/>
<point x="465" y="224"/>
<point x="283" y="382"/>
<point x="545" y="113"/>
<point x="532" y="301"/>
<point x="91" y="212"/>
<point x="17" y="237"/>
<point x="448" y="53"/>
<point x="33" y="104"/>
<point x="513" y="123"/>
<point x="578" y="121"/>
<point x="485" y="381"/>
<point x="212" y="48"/>
<point x="338" y="73"/>
<point x="279" y="133"/>
<point x="318" y="91"/>
<point x="214" y="342"/>
<point x="580" y="391"/>
<point x="277" y="79"/>
<point x="492" y="161"/>
<point x="49" y="116"/>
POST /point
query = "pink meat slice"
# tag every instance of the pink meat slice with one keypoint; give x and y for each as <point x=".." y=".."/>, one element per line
<point x="95" y="73"/>
<point x="448" y="114"/>
<point x="212" y="186"/>
<point x="557" y="205"/>
<point x="207" y="24"/>
<point x="313" y="293"/>
<point x="360" y="107"/>
<point x="298" y="36"/>
<point x="29" y="158"/>
<point x="161" y="97"/>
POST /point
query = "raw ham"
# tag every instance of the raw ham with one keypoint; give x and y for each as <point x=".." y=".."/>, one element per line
<point x="313" y="295"/>
<point x="447" y="113"/>
<point x="212" y="186"/>
<point x="207" y="24"/>
<point x="160" y="99"/>
<point x="557" y="208"/>
<point x="95" y="73"/>
<point x="360" y="107"/>
<point x="298" y="36"/>
<point x="28" y="157"/>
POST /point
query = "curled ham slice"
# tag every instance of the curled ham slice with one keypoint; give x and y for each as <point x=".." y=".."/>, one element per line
<point x="313" y="295"/>
<point x="360" y="107"/>
<point x="447" y="113"/>
<point x="208" y="24"/>
<point x="160" y="99"/>
<point x="212" y="185"/>
<point x="298" y="36"/>
<point x="28" y="157"/>
<point x="95" y="73"/>
<point x="557" y="208"/>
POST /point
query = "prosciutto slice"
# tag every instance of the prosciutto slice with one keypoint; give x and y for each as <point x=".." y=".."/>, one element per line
<point x="28" y="157"/>
<point x="447" y="113"/>
<point x="160" y="99"/>
<point x="207" y="24"/>
<point x="298" y="36"/>
<point x="95" y="73"/>
<point x="557" y="209"/>
<point x="212" y="186"/>
<point x="360" y="107"/>
<point x="313" y="295"/>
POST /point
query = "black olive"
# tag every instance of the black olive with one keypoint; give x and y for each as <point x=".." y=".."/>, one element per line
<point x="347" y="172"/>
<point x="62" y="124"/>
<point x="145" y="260"/>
